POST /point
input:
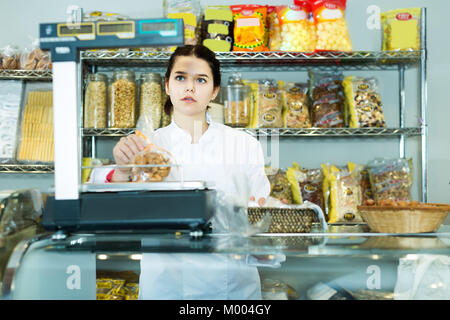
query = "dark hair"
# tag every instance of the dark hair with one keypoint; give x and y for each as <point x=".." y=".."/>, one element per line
<point x="198" y="51"/>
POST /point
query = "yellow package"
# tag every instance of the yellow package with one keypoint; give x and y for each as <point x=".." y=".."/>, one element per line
<point x="332" y="31"/>
<point x="401" y="29"/>
<point x="362" y="174"/>
<point x="250" y="27"/>
<point x="190" y="25"/>
<point x="292" y="174"/>
<point x="297" y="32"/>
<point x="363" y="102"/>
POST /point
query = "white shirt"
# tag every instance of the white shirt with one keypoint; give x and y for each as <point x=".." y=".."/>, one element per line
<point x="222" y="157"/>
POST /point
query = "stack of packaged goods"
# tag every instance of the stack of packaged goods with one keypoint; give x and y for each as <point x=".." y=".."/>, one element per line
<point x="37" y="144"/>
<point x="217" y="28"/>
<point x="33" y="58"/>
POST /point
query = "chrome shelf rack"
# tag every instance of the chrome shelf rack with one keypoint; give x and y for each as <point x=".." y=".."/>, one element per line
<point x="30" y="75"/>
<point x="27" y="168"/>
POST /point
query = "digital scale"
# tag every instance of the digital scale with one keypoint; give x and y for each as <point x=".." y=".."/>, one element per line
<point x="110" y="207"/>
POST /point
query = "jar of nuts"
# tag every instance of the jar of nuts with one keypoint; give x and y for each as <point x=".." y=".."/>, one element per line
<point x="95" y="112"/>
<point x="237" y="105"/>
<point x="122" y="100"/>
<point x="150" y="97"/>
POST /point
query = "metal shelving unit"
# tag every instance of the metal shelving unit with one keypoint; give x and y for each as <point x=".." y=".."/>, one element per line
<point x="26" y="168"/>
<point x="109" y="60"/>
<point x="29" y="75"/>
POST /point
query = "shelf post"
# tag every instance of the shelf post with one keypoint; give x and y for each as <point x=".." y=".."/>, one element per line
<point x="401" y="84"/>
<point x="423" y="103"/>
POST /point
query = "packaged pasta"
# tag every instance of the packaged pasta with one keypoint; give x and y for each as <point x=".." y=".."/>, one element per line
<point x="274" y="29"/>
<point x="327" y="108"/>
<point x="280" y="187"/>
<point x="363" y="102"/>
<point x="401" y="29"/>
<point x="269" y="113"/>
<point x="391" y="179"/>
<point x="250" y="29"/>
<point x="217" y="28"/>
<point x="345" y="196"/>
<point x="297" y="32"/>
<point x="297" y="105"/>
<point x="332" y="32"/>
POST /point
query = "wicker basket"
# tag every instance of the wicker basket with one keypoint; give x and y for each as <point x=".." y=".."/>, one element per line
<point x="404" y="219"/>
<point x="284" y="220"/>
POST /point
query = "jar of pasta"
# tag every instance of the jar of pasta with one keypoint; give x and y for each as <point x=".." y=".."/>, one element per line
<point x="95" y="104"/>
<point x="150" y="97"/>
<point x="122" y="100"/>
<point x="237" y="105"/>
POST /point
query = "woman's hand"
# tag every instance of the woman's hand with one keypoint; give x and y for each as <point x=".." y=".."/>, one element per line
<point x="260" y="200"/>
<point x="124" y="152"/>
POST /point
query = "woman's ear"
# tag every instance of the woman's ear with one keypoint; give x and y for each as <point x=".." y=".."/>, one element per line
<point x="166" y="85"/>
<point x="215" y="93"/>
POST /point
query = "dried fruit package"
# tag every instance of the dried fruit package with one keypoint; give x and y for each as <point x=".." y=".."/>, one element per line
<point x="151" y="155"/>
<point x="363" y="102"/>
<point x="332" y="31"/>
<point x="327" y="108"/>
<point x="345" y="196"/>
<point x="273" y="26"/>
<point x="306" y="185"/>
<point x="269" y="105"/>
<point x="401" y="29"/>
<point x="362" y="174"/>
<point x="391" y="179"/>
<point x="297" y="32"/>
<point x="250" y="29"/>
<point x="297" y="105"/>
<point x="280" y="187"/>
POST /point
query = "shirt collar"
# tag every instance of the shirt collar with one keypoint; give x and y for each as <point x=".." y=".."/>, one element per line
<point x="180" y="134"/>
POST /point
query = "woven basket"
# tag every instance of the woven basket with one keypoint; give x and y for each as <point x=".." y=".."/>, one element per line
<point x="284" y="220"/>
<point x="404" y="219"/>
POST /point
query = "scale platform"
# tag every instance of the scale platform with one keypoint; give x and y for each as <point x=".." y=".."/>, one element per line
<point x="134" y="206"/>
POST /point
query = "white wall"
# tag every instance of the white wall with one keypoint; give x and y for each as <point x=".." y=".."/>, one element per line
<point x="19" y="21"/>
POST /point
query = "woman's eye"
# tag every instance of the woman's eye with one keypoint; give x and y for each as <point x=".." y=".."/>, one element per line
<point x="201" y="80"/>
<point x="179" y="78"/>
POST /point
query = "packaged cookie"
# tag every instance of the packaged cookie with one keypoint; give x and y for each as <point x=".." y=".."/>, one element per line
<point x="280" y="187"/>
<point x="10" y="57"/>
<point x="250" y="27"/>
<point x="401" y="29"/>
<point x="345" y="196"/>
<point x="297" y="105"/>
<point x="363" y="102"/>
<point x="327" y="108"/>
<point x="269" y="107"/>
<point x="297" y="33"/>
<point x="332" y="31"/>
<point x="391" y="179"/>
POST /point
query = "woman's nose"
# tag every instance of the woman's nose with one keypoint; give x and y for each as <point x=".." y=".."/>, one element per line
<point x="189" y="86"/>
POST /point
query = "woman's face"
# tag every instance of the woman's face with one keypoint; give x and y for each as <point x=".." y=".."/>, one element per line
<point x="190" y="85"/>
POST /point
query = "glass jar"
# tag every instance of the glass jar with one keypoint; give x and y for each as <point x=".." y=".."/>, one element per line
<point x="122" y="100"/>
<point x="237" y="105"/>
<point x="95" y="103"/>
<point x="150" y="97"/>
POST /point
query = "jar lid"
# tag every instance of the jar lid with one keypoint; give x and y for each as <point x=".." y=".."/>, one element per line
<point x="97" y="77"/>
<point x="151" y="76"/>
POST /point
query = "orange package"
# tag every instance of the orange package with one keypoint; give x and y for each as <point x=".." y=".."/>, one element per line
<point x="250" y="27"/>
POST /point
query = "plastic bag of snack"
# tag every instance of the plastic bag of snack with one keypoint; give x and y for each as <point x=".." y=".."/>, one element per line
<point x="391" y="179"/>
<point x="401" y="29"/>
<point x="345" y="196"/>
<point x="280" y="187"/>
<point x="273" y="26"/>
<point x="363" y="102"/>
<point x="297" y="33"/>
<point x="250" y="27"/>
<point x="34" y="58"/>
<point x="269" y="109"/>
<point x="327" y="107"/>
<point x="151" y="155"/>
<point x="297" y="105"/>
<point x="10" y="57"/>
<point x="362" y="174"/>
<point x="332" y="31"/>
<point x="217" y="28"/>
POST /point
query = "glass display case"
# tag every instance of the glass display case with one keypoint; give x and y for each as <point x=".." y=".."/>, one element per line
<point x="173" y="265"/>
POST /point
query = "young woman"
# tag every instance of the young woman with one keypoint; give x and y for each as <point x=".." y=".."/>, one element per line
<point x="208" y="151"/>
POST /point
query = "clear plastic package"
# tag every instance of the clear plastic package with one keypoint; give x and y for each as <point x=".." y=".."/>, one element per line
<point x="188" y="10"/>
<point x="10" y="57"/>
<point x="269" y="105"/>
<point x="297" y="105"/>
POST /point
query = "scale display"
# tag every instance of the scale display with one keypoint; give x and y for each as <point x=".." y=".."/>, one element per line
<point x="64" y="40"/>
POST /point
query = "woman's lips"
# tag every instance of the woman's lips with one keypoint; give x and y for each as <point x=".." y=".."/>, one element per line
<point x="188" y="99"/>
